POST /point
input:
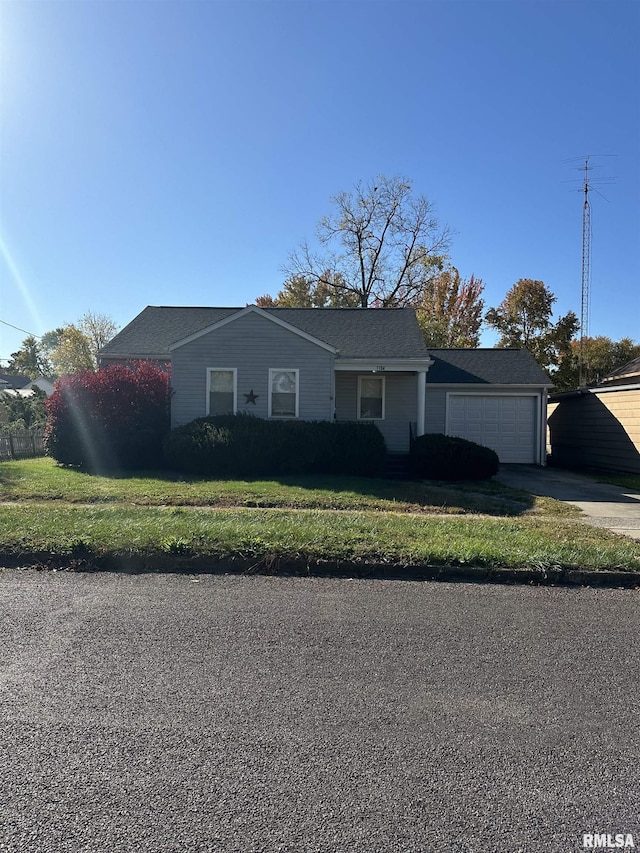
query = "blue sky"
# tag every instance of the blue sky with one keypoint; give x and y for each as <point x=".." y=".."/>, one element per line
<point x="158" y="152"/>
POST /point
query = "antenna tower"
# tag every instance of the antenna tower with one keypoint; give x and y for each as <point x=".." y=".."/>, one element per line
<point x="588" y="185"/>
<point x="586" y="270"/>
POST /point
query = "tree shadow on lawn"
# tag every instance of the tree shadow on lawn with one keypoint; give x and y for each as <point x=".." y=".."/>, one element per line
<point x="8" y="475"/>
<point x="486" y="497"/>
<point x="340" y="492"/>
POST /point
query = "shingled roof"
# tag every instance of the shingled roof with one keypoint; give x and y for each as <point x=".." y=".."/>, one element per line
<point x="14" y="380"/>
<point x="625" y="375"/>
<point x="354" y="332"/>
<point x="485" y="367"/>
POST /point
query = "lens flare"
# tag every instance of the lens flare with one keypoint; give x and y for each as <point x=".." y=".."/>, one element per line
<point x="14" y="272"/>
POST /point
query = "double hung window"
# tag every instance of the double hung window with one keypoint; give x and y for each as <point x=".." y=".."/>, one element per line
<point x="221" y="391"/>
<point x="371" y="398"/>
<point x="283" y="393"/>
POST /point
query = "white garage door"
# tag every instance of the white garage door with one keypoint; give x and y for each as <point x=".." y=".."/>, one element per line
<point x="507" y="424"/>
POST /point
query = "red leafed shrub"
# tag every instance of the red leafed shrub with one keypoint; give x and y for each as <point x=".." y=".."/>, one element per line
<point x="113" y="419"/>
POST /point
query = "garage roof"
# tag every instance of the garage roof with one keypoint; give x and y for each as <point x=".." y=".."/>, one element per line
<point x="485" y="367"/>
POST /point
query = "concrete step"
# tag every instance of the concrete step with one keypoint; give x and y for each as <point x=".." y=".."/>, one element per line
<point x="396" y="466"/>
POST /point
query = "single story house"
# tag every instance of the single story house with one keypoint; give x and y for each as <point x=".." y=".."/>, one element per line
<point x="343" y="364"/>
<point x="42" y="383"/>
<point x="25" y="386"/>
<point x="599" y="427"/>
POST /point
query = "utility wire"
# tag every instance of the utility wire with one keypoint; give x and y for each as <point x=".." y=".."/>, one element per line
<point x="18" y="329"/>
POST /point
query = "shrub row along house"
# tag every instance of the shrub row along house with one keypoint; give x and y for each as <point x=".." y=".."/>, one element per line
<point x="345" y="364"/>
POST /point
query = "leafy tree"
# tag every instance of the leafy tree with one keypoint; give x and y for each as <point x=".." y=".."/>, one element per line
<point x="381" y="244"/>
<point x="67" y="349"/>
<point x="524" y="319"/>
<point x="601" y="356"/>
<point x="75" y="347"/>
<point x="31" y="359"/>
<point x="18" y="412"/>
<point x="450" y="311"/>
<point x="50" y="340"/>
<point x="73" y="352"/>
<point x="300" y="291"/>
<point x="114" y="418"/>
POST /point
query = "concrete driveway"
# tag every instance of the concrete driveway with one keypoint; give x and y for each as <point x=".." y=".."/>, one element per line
<point x="603" y="505"/>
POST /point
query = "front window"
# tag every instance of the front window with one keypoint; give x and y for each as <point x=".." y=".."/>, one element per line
<point x="221" y="392"/>
<point x="371" y="398"/>
<point x="283" y="393"/>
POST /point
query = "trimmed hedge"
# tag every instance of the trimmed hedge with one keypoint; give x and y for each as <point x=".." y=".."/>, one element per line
<point x="445" y="457"/>
<point x="248" y="447"/>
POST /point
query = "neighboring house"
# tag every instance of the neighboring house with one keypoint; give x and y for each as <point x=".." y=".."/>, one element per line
<point x="43" y="384"/>
<point x="627" y="374"/>
<point x="13" y="381"/>
<point x="343" y="364"/>
<point x="24" y="386"/>
<point x="599" y="427"/>
<point x="19" y="392"/>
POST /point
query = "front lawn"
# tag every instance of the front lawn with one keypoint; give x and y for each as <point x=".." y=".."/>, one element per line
<point x="43" y="480"/>
<point x="54" y="514"/>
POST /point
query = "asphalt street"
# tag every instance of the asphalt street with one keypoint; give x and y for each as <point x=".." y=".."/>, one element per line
<point x="263" y="715"/>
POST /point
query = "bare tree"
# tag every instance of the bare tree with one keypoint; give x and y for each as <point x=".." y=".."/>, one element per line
<point x="98" y="329"/>
<point x="382" y="244"/>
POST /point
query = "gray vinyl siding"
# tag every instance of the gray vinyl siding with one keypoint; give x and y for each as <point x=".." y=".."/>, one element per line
<point x="435" y="418"/>
<point x="401" y="401"/>
<point x="598" y="429"/>
<point x="252" y="344"/>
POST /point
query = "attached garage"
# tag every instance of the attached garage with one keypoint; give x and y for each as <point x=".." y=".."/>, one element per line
<point x="506" y="424"/>
<point x="495" y="397"/>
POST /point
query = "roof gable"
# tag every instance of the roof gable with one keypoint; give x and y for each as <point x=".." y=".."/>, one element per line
<point x="252" y="309"/>
<point x="374" y="333"/>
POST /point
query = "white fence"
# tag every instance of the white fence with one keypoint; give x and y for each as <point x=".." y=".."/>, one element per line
<point x="21" y="443"/>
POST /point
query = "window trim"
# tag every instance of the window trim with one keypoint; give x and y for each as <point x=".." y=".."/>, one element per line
<point x="211" y="370"/>
<point x="359" y="399"/>
<point x="295" y="371"/>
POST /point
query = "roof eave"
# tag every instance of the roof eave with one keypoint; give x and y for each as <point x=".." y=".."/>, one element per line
<point x="381" y="364"/>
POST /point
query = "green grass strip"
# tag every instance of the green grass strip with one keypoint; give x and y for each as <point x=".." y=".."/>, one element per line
<point x="317" y="535"/>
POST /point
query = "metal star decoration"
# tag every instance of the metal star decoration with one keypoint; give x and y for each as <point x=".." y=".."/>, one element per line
<point x="251" y="397"/>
